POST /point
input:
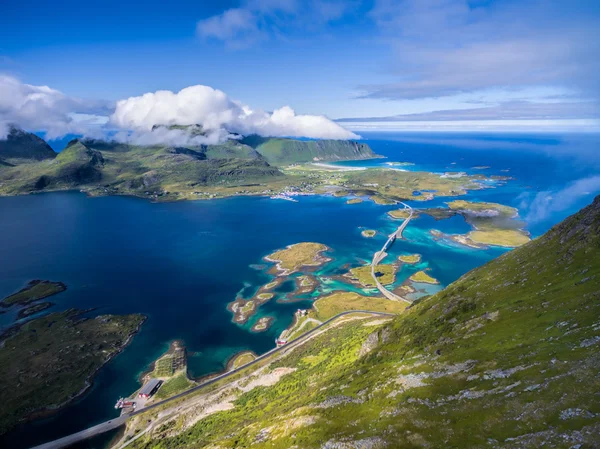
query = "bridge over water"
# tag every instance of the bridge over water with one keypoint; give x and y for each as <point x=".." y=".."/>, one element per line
<point x="380" y="255"/>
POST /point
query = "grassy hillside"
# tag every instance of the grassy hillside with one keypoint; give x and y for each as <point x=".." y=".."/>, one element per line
<point x="507" y="356"/>
<point x="279" y="151"/>
<point x="170" y="173"/>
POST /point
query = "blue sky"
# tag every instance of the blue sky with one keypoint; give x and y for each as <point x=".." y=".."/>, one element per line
<point x="454" y="63"/>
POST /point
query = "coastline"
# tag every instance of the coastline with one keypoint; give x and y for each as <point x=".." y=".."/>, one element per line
<point x="51" y="409"/>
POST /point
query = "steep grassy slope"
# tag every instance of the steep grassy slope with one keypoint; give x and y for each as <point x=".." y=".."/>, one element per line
<point x="23" y="145"/>
<point x="507" y="356"/>
<point x="74" y="166"/>
<point x="289" y="151"/>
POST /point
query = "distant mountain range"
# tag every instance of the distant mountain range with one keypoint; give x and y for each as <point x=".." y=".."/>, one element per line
<point x="28" y="164"/>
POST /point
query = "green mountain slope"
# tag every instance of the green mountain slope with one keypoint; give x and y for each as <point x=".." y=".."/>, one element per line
<point x="172" y="173"/>
<point x="23" y="145"/>
<point x="508" y="356"/>
<point x="290" y="151"/>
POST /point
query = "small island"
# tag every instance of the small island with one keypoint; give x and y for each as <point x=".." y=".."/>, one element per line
<point x="402" y="214"/>
<point x="494" y="225"/>
<point x="368" y="233"/>
<point x="354" y="201"/>
<point x="242" y="309"/>
<point x="305" y="284"/>
<point x="410" y="258"/>
<point x="33" y="309"/>
<point x="385" y="273"/>
<point x="49" y="361"/>
<point x="382" y="200"/>
<point x="262" y="324"/>
<point x="423" y="277"/>
<point x="33" y="291"/>
<point x="294" y="257"/>
<point x="265" y="296"/>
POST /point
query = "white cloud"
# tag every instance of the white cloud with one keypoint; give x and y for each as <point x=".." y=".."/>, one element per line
<point x="42" y="108"/>
<point x="218" y="115"/>
<point x="544" y="204"/>
<point x="231" y="23"/>
<point x="257" y="20"/>
<point x="447" y="47"/>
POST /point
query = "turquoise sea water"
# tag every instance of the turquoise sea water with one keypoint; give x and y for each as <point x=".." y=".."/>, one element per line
<point x="181" y="263"/>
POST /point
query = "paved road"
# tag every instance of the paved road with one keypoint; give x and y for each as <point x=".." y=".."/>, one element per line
<point x="380" y="255"/>
<point x="117" y="422"/>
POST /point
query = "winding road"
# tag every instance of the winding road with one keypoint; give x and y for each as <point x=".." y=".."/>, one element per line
<point x="380" y="255"/>
<point x="119" y="421"/>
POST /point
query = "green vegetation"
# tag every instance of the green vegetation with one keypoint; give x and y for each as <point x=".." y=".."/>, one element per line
<point x="494" y="224"/>
<point x="399" y="185"/>
<point x="410" y="258"/>
<point x="241" y="359"/>
<point x="354" y="201"/>
<point x="509" y="238"/>
<point x="159" y="172"/>
<point x="402" y="214"/>
<point x="297" y="256"/>
<point x="163" y="367"/>
<point x="507" y="356"/>
<point x="338" y="302"/>
<point x="48" y="361"/>
<point x="439" y="213"/>
<point x="422" y="276"/>
<point x="369" y="233"/>
<point x="381" y="200"/>
<point x="173" y="386"/>
<point x="262" y="324"/>
<point x="289" y="151"/>
<point x="482" y="208"/>
<point x="32" y="310"/>
<point x="34" y="291"/>
<point x="385" y="273"/>
<point x="265" y="296"/>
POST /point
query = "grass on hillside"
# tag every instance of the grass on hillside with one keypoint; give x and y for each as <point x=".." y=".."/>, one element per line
<point x="173" y="386"/>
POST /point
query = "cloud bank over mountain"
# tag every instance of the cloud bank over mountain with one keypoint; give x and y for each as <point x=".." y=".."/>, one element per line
<point x="37" y="108"/>
<point x="41" y="108"/>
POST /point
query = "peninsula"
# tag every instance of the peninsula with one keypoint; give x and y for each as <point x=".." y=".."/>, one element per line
<point x="49" y="361"/>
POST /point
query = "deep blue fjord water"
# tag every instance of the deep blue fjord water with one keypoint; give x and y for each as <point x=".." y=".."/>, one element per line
<point x="181" y="263"/>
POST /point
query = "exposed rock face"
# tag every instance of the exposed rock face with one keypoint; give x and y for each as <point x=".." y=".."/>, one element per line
<point x="23" y="145"/>
<point x="375" y="339"/>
